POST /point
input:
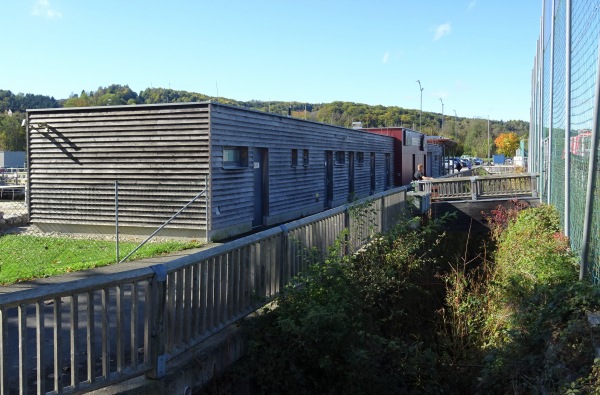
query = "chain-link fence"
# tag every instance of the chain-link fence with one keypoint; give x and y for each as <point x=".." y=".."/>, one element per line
<point x="564" y="122"/>
<point x="13" y="208"/>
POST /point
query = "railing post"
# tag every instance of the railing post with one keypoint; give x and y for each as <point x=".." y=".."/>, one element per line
<point x="155" y="325"/>
<point x="474" y="191"/>
<point x="348" y="236"/>
<point x="534" y="192"/>
<point x="284" y="260"/>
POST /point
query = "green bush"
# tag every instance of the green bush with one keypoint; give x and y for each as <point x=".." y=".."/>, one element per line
<point x="422" y="311"/>
<point x="352" y="325"/>
<point x="539" y="340"/>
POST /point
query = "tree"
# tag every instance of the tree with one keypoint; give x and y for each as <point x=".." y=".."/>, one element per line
<point x="507" y="143"/>
<point x="12" y="134"/>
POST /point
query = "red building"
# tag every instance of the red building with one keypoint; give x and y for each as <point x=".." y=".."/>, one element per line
<point x="410" y="149"/>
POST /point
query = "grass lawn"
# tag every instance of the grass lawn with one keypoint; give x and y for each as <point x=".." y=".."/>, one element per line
<point x="25" y="257"/>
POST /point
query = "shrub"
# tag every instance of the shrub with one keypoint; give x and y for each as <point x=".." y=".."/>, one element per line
<point x="351" y="325"/>
<point x="539" y="338"/>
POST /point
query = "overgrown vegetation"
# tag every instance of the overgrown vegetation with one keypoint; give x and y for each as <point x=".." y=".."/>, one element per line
<point x="26" y="257"/>
<point x="414" y="312"/>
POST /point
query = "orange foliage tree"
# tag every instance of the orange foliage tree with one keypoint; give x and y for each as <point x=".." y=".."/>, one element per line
<point x="507" y="143"/>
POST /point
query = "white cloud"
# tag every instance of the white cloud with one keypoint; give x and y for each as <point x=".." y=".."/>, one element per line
<point x="386" y="57"/>
<point x="472" y="4"/>
<point x="43" y="9"/>
<point x="442" y="30"/>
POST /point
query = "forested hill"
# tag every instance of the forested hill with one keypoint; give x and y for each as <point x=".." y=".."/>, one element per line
<point x="469" y="132"/>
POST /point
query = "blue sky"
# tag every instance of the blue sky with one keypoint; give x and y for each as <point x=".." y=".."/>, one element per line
<point x="476" y="55"/>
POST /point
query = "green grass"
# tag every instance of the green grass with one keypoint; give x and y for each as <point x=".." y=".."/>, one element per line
<point x="26" y="257"/>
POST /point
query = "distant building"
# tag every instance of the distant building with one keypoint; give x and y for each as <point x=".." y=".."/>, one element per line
<point x="439" y="149"/>
<point x="14" y="159"/>
<point x="412" y="148"/>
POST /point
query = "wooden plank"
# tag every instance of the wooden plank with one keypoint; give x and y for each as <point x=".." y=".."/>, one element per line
<point x="134" y="307"/>
<point x="23" y="366"/>
<point x="120" y="329"/>
<point x="105" y="295"/>
<point x="91" y="337"/>
<point x="74" y="332"/>
<point x="58" y="383"/>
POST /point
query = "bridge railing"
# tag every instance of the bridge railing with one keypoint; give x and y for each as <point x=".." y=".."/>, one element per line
<point x="481" y="187"/>
<point x="102" y="327"/>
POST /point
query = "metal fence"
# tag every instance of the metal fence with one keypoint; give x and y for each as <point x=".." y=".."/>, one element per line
<point x="101" y="327"/>
<point x="564" y="122"/>
<point x="13" y="209"/>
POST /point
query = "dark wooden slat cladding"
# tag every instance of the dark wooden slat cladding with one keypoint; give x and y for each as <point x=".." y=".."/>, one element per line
<point x="291" y="189"/>
<point x="162" y="154"/>
<point x="158" y="154"/>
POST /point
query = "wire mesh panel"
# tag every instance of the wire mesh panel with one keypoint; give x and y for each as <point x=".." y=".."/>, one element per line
<point x="585" y="28"/>
<point x="557" y="153"/>
<point x="582" y="35"/>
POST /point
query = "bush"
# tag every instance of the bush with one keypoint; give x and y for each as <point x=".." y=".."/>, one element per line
<point x="352" y="325"/>
<point x="539" y="340"/>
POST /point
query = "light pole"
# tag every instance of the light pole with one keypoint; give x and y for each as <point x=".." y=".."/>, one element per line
<point x="488" y="137"/>
<point x="442" y="115"/>
<point x="421" y="108"/>
<point x="455" y="135"/>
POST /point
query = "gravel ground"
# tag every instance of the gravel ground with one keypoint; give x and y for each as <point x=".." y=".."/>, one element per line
<point x="13" y="215"/>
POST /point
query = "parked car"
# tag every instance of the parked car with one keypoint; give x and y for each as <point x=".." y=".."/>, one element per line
<point x="477" y="161"/>
<point x="465" y="162"/>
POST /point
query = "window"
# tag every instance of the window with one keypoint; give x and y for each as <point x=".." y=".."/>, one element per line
<point x="305" y="158"/>
<point x="294" y="157"/>
<point x="235" y="157"/>
<point x="340" y="157"/>
<point x="360" y="158"/>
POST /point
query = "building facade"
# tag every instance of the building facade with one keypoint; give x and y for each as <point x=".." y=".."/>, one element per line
<point x="243" y="169"/>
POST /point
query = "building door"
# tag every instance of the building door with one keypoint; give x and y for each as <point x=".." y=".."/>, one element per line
<point x="261" y="185"/>
<point x="350" y="176"/>
<point x="328" y="179"/>
<point x="372" y="190"/>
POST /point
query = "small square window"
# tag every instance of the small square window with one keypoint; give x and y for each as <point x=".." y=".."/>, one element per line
<point x="294" y="157"/>
<point x="360" y="158"/>
<point x="305" y="158"/>
<point x="235" y="157"/>
<point x="340" y="157"/>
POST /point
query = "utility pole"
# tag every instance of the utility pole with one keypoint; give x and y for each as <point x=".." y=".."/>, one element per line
<point x="442" y="115"/>
<point x="421" y="108"/>
<point x="489" y="157"/>
<point x="455" y="135"/>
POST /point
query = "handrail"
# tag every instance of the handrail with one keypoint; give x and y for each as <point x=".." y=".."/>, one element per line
<point x="95" y="323"/>
<point x="477" y="187"/>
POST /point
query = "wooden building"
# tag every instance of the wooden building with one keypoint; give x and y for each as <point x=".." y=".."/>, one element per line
<point x="258" y="168"/>
<point x="410" y="147"/>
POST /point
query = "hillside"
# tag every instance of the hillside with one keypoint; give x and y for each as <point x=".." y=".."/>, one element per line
<point x="471" y="133"/>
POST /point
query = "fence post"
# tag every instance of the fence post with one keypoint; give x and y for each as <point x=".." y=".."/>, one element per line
<point x="534" y="192"/>
<point x="284" y="259"/>
<point x="474" y="191"/>
<point x="155" y="324"/>
<point x="348" y="237"/>
<point x="382" y="222"/>
<point x="117" y="219"/>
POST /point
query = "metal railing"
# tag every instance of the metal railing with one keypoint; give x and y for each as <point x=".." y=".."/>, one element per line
<point x="481" y="187"/>
<point x="101" y="327"/>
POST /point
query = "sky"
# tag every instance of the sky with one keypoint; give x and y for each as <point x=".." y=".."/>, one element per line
<point x="474" y="55"/>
